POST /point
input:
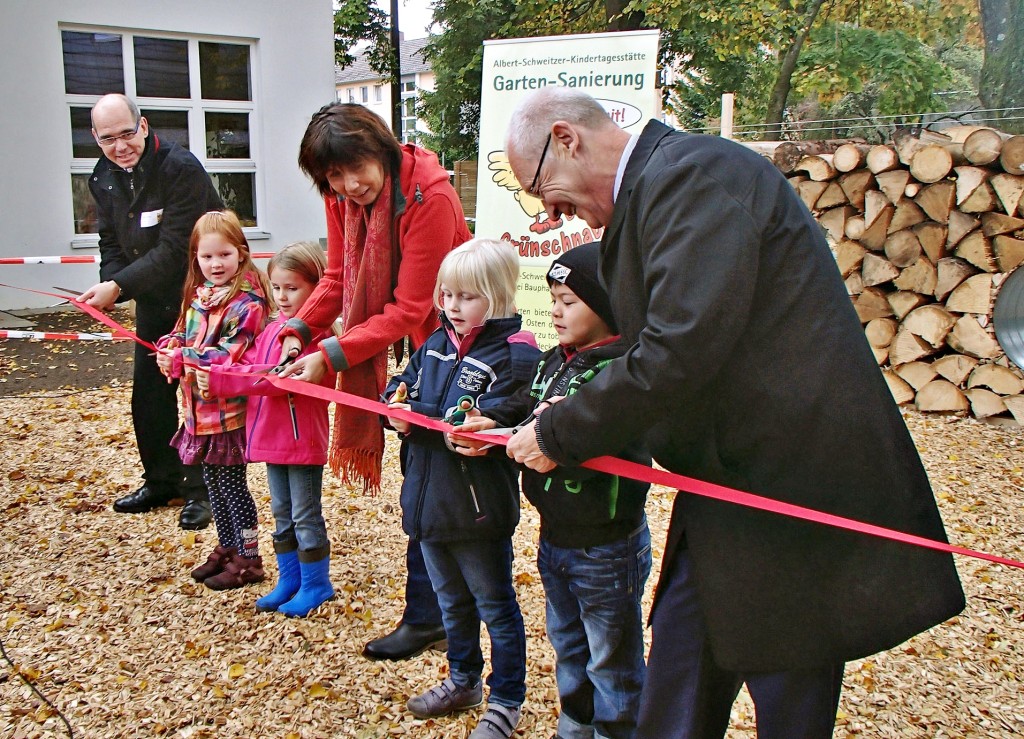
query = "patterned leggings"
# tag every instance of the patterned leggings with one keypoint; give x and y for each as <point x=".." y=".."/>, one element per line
<point x="234" y="511"/>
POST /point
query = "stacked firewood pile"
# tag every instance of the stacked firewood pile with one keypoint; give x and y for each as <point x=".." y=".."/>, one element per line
<point x="924" y="232"/>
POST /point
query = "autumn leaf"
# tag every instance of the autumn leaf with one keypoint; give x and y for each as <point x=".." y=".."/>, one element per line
<point x="236" y="670"/>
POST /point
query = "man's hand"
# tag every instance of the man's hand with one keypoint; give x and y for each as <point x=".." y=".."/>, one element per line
<point x="102" y="295"/>
<point x="472" y="447"/>
<point x="523" y="448"/>
<point x="310" y="368"/>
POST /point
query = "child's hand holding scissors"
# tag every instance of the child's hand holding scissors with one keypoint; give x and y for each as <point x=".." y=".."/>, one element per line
<point x="471" y="447"/>
<point x="398" y="401"/>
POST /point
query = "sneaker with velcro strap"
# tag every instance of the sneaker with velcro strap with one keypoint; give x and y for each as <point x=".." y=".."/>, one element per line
<point x="446" y="698"/>
<point x="498" y="722"/>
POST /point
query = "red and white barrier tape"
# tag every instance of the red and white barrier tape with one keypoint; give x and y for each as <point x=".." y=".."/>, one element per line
<point x="89" y="259"/>
<point x="12" y="334"/>
<point x="609" y="465"/>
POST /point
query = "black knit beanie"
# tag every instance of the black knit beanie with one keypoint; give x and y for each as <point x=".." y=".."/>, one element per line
<point x="577" y="270"/>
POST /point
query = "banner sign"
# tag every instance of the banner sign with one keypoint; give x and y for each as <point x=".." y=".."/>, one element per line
<point x="619" y="69"/>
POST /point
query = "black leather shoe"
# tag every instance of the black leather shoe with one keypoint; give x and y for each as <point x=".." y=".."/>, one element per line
<point x="142" y="500"/>
<point x="195" y="514"/>
<point x="407" y="641"/>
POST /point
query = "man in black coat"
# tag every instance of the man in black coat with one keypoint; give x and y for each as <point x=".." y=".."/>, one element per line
<point x="149" y="194"/>
<point x="748" y="369"/>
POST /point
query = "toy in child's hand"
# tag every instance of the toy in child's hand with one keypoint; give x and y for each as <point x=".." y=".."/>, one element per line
<point x="463" y="406"/>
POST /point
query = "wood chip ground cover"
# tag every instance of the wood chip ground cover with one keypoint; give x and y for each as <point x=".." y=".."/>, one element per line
<point x="98" y="610"/>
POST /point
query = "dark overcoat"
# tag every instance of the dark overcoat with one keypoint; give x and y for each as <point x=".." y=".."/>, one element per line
<point x="749" y="369"/>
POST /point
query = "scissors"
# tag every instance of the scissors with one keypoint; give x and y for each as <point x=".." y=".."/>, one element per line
<point x="462" y="406"/>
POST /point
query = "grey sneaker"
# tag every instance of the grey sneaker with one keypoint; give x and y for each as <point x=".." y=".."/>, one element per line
<point x="445" y="698"/>
<point x="498" y="722"/>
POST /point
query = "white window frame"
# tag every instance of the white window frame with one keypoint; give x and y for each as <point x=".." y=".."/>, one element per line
<point x="195" y="106"/>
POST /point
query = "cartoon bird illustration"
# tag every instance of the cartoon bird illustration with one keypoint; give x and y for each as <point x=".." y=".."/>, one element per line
<point x="497" y="162"/>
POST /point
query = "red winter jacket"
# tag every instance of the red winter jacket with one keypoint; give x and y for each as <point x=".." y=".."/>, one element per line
<point x="430" y="226"/>
<point x="269" y="432"/>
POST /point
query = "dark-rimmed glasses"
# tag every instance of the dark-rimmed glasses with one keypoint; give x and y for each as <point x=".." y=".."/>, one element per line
<point x="111" y="140"/>
<point x="540" y="164"/>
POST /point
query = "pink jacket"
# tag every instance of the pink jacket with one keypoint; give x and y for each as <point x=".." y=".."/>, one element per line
<point x="269" y="431"/>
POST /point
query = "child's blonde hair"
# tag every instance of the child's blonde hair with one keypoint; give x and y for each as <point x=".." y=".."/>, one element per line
<point x="225" y="223"/>
<point x="485" y="267"/>
<point x="306" y="259"/>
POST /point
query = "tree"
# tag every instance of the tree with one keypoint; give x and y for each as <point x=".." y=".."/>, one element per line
<point x="358" y="21"/>
<point x="1002" y="75"/>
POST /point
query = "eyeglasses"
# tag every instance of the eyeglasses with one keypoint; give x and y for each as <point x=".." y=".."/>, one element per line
<point x="111" y="140"/>
<point x="540" y="164"/>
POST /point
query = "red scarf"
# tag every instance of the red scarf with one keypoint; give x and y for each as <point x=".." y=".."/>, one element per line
<point x="357" y="445"/>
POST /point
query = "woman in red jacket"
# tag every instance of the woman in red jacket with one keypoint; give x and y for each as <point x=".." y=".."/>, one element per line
<point x="392" y="215"/>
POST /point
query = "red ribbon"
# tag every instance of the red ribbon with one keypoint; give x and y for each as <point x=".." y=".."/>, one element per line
<point x="609" y="465"/>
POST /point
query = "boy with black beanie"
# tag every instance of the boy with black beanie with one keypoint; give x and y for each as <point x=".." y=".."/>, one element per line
<point x="595" y="548"/>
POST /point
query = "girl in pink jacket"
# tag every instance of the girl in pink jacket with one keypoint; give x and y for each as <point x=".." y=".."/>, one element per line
<point x="290" y="433"/>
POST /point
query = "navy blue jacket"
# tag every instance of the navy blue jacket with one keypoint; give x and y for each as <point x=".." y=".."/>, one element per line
<point x="445" y="496"/>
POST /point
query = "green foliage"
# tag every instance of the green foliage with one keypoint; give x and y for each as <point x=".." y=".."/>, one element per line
<point x="842" y="58"/>
<point x="358" y="21"/>
<point x="870" y="56"/>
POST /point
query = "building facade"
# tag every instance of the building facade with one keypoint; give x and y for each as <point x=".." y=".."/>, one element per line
<point x="357" y="83"/>
<point x="227" y="80"/>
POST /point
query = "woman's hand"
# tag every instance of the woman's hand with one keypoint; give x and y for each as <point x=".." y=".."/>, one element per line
<point x="310" y="368"/>
<point x="290" y="347"/>
<point x="472" y="447"/>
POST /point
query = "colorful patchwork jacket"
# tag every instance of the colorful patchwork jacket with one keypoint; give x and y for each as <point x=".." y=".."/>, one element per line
<point x="215" y="336"/>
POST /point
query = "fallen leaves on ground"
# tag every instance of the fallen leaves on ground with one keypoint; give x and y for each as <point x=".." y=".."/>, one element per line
<point x="98" y="609"/>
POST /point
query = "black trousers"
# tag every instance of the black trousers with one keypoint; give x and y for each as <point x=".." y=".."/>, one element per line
<point x="155" y="408"/>
<point x="688" y="696"/>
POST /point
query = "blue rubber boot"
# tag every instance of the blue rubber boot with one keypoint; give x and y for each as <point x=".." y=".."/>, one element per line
<point x="315" y="590"/>
<point x="288" y="582"/>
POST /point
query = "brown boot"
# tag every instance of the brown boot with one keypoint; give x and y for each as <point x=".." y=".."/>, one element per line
<point x="237" y="572"/>
<point x="215" y="563"/>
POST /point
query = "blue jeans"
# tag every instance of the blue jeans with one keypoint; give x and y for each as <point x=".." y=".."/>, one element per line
<point x="295" y="502"/>
<point x="473" y="582"/>
<point x="595" y="625"/>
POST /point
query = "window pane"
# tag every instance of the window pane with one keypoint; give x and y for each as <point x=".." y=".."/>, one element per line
<point x="83" y="204"/>
<point x="237" y="191"/>
<point x="227" y="135"/>
<point x="170" y="125"/>
<point x="93" y="64"/>
<point x="224" y="71"/>
<point x="82" y="142"/>
<point x="161" y="67"/>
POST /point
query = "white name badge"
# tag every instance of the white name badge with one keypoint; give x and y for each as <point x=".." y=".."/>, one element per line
<point x="151" y="218"/>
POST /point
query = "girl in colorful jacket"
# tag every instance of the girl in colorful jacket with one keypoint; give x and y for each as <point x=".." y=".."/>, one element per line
<point x="290" y="433"/>
<point x="224" y="306"/>
<point x="463" y="511"/>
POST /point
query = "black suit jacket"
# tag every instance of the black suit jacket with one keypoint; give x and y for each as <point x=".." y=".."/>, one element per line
<point x="749" y="368"/>
<point x="146" y="217"/>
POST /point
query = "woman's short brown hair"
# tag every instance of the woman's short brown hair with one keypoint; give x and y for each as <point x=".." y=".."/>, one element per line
<point x="346" y="135"/>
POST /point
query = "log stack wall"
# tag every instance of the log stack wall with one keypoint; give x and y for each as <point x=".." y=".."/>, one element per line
<point x="925" y="230"/>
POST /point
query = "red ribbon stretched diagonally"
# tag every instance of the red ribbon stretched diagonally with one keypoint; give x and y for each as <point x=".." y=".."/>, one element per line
<point x="609" y="465"/>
